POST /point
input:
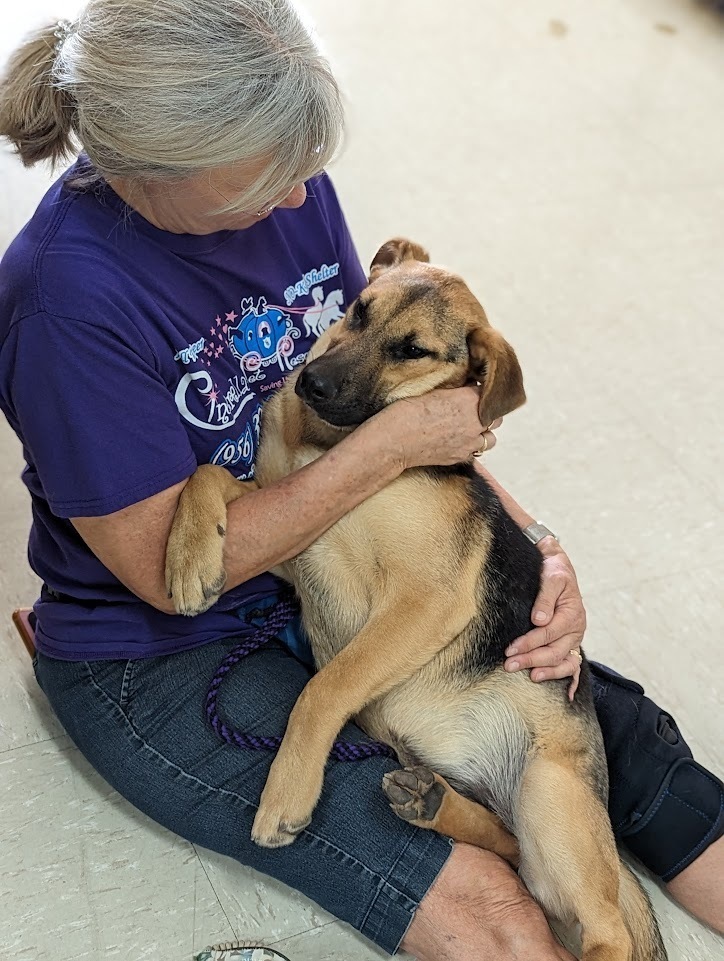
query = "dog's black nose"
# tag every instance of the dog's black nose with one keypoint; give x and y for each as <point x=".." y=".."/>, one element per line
<point x="316" y="386"/>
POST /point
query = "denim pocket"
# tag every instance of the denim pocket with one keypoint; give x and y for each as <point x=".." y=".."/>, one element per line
<point x="127" y="684"/>
<point x="114" y="678"/>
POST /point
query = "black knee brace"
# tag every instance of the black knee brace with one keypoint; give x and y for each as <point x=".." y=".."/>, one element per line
<point x="664" y="806"/>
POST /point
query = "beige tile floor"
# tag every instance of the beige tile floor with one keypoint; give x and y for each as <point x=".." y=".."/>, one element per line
<point x="567" y="158"/>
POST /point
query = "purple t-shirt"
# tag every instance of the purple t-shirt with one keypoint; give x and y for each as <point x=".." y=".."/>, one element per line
<point x="129" y="356"/>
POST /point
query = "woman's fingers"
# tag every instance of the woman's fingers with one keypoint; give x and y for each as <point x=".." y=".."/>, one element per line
<point x="548" y="656"/>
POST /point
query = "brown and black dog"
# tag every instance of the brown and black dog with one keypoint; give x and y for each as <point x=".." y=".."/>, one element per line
<point x="410" y="601"/>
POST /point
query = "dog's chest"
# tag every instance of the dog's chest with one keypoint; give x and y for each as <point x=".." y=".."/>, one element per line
<point x="337" y="581"/>
<point x="368" y="558"/>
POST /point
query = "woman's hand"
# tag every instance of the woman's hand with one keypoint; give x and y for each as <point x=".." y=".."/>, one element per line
<point x="439" y="428"/>
<point x="560" y="619"/>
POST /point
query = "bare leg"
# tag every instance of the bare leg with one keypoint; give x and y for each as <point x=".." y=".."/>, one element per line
<point x="478" y="910"/>
<point x="700" y="887"/>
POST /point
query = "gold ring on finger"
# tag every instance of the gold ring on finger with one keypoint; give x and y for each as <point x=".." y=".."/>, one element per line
<point x="577" y="652"/>
<point x="482" y="450"/>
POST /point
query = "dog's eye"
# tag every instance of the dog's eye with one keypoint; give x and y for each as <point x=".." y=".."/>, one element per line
<point x="359" y="319"/>
<point x="412" y="351"/>
<point x="406" y="350"/>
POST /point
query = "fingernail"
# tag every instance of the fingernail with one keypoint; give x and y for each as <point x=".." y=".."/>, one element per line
<point x="541" y="676"/>
<point x="540" y="617"/>
<point x="511" y="651"/>
<point x="514" y="666"/>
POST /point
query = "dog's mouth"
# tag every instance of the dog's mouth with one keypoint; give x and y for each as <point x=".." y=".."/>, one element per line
<point x="328" y="402"/>
<point x="340" y="417"/>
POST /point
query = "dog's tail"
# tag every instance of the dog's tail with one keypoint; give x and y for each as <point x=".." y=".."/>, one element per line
<point x="639" y="918"/>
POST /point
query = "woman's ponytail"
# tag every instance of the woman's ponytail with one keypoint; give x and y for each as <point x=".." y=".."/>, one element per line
<point x="36" y="116"/>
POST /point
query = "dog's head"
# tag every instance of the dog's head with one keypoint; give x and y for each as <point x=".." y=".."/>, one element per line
<point x="416" y="327"/>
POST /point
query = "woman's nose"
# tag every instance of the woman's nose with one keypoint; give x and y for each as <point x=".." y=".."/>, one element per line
<point x="296" y="196"/>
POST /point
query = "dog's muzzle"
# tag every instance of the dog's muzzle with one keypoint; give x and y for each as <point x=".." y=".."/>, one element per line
<point x="328" y="395"/>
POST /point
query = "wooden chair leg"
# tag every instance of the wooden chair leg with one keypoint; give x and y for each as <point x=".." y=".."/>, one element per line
<point x="22" y="622"/>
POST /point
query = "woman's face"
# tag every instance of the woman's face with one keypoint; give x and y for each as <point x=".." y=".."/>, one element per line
<point x="191" y="206"/>
<point x="225" y="185"/>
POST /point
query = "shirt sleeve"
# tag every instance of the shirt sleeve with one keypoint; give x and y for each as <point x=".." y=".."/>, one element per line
<point x="99" y="425"/>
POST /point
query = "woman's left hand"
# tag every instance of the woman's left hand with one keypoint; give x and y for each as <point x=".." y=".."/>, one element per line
<point x="560" y="619"/>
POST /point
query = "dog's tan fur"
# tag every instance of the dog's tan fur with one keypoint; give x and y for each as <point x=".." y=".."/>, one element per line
<point x="401" y="600"/>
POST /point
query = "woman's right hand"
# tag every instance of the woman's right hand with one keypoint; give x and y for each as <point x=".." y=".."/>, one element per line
<point x="439" y="428"/>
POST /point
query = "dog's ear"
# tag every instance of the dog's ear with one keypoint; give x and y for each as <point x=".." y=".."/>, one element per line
<point x="395" y="252"/>
<point x="494" y="365"/>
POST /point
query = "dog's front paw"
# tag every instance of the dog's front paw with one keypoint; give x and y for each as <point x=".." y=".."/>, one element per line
<point x="288" y="800"/>
<point x="195" y="575"/>
<point x="276" y="829"/>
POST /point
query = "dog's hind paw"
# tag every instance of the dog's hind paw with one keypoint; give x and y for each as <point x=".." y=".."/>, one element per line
<point x="415" y="794"/>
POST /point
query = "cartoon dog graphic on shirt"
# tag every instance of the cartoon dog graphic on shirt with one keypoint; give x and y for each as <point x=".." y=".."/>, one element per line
<point x="264" y="336"/>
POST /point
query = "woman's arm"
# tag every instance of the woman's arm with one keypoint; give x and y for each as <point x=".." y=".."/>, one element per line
<point x="558" y="613"/>
<point x="268" y="526"/>
<point x="264" y="528"/>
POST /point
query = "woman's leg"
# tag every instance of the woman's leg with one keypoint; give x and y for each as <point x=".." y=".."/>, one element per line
<point x="664" y="806"/>
<point x="700" y="887"/>
<point x="479" y="909"/>
<point x="141" y="724"/>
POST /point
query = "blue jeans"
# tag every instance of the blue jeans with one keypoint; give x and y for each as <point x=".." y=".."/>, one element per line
<point x="141" y="724"/>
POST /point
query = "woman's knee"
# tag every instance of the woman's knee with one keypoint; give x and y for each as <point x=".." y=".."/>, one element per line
<point x="478" y="907"/>
<point x="664" y="806"/>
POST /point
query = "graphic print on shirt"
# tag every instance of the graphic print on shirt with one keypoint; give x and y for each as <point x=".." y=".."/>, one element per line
<point x="240" y="453"/>
<point x="324" y="312"/>
<point x="263" y="337"/>
<point x="228" y="375"/>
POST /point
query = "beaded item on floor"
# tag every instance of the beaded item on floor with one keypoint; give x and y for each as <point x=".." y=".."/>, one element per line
<point x="237" y="951"/>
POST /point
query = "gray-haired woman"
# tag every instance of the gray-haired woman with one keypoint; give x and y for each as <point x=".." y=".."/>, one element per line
<point x="156" y="298"/>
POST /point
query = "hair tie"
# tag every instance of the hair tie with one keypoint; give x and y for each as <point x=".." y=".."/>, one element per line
<point x="62" y="31"/>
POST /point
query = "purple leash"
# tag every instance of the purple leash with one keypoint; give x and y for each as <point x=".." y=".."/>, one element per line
<point x="279" y="616"/>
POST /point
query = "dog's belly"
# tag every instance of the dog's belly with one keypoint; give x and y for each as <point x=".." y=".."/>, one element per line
<point x="475" y="727"/>
<point x="478" y="731"/>
<point x="466" y="728"/>
<point x="470" y="732"/>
